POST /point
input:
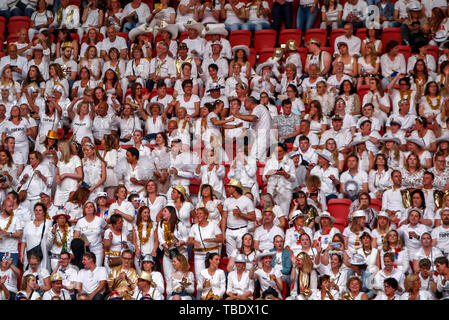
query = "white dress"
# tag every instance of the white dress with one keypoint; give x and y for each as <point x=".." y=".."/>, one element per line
<point x="67" y="185"/>
<point x="111" y="161"/>
<point x="82" y="128"/>
<point x="148" y="246"/>
<point x="92" y="174"/>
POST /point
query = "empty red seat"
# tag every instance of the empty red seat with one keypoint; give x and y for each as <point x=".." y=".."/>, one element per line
<point x="339" y="209"/>
<point x="240" y="37"/>
<point x="303" y="53"/>
<point x="389" y="34"/>
<point x="361" y="33"/>
<point x="319" y="34"/>
<point x="265" y="53"/>
<point x="362" y="91"/>
<point x="334" y="34"/>
<point x="264" y="39"/>
<point x="16" y="23"/>
<point x="290" y="34"/>
<point x="2" y="25"/>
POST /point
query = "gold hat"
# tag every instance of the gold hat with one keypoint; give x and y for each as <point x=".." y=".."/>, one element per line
<point x="235" y="183"/>
<point x="278" y="53"/>
<point x="180" y="189"/>
<point x="315" y="41"/>
<point x="146" y="276"/>
<point x="66" y="44"/>
<point x="268" y="210"/>
<point x="56" y="277"/>
<point x="52" y="135"/>
<point x="291" y="45"/>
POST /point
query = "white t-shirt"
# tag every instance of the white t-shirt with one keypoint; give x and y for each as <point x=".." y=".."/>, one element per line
<point x="90" y="280"/>
<point x="92" y="230"/>
<point x="245" y="205"/>
<point x="266" y="279"/>
<point x="7" y="243"/>
<point x="442" y="235"/>
<point x="207" y="232"/>
<point x="266" y="237"/>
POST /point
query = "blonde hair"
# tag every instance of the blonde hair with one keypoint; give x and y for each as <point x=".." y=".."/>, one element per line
<point x="373" y="55"/>
<point x="408" y="282"/>
<point x="66" y="151"/>
<point x="307" y="262"/>
<point x="386" y="244"/>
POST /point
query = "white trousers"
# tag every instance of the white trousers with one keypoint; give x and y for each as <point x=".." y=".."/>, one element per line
<point x="234" y="239"/>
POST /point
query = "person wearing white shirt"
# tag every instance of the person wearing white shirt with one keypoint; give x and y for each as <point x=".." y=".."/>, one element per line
<point x="215" y="58"/>
<point x="113" y="41"/>
<point x="92" y="279"/>
<point x="68" y="16"/>
<point x="56" y="289"/>
<point x="388" y="272"/>
<point x="355" y="12"/>
<point x="267" y="275"/>
<point x="352" y="41"/>
<point x="212" y="280"/>
<point x="216" y="33"/>
<point x="327" y="173"/>
<point x="232" y="11"/>
<point x="162" y="67"/>
<point x="17" y="63"/>
<point x="240" y="286"/>
<point x="264" y="234"/>
<point x="341" y="136"/>
<point x="354" y="174"/>
<point x="392" y="62"/>
<point x="146" y="289"/>
<point x="392" y="202"/>
<point x="137" y="69"/>
<point x="135" y="14"/>
<point x="11" y="229"/>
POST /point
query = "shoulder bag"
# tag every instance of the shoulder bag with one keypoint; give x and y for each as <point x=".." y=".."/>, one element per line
<point x="37" y="250"/>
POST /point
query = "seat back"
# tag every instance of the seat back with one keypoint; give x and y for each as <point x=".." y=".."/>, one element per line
<point x="264" y="39"/>
<point x="319" y="34"/>
<point x="389" y="34"/>
<point x="290" y="34"/>
<point x="240" y="37"/>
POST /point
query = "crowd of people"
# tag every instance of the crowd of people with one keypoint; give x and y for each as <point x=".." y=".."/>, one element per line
<point x="110" y="122"/>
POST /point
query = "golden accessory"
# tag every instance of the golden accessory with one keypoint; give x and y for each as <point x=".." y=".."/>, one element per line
<point x="429" y="102"/>
<point x="112" y="253"/>
<point x="159" y="65"/>
<point x="179" y="63"/>
<point x="406" y="198"/>
<point x="59" y="17"/>
<point x="311" y="213"/>
<point x="347" y="296"/>
<point x="367" y="252"/>
<point x="167" y="234"/>
<point x="357" y="242"/>
<point x="304" y="283"/>
<point x="70" y="15"/>
<point x="211" y="296"/>
<point x="206" y="249"/>
<point x="184" y="283"/>
<point x="438" y="198"/>
<point x="9" y="223"/>
<point x="329" y="294"/>
<point x="64" y="236"/>
<point x="117" y="71"/>
<point x="147" y="236"/>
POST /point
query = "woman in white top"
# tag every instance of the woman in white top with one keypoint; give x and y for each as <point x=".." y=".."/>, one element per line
<point x="109" y="155"/>
<point x="379" y="177"/>
<point x="383" y="227"/>
<point x="318" y="123"/>
<point x="123" y="207"/>
<point x="214" y="206"/>
<point x="91" y="228"/>
<point x="431" y="102"/>
<point x="184" y="208"/>
<point x="154" y="122"/>
<point x="231" y="12"/>
<point x="92" y="38"/>
<point x="68" y="173"/>
<point x="18" y="128"/>
<point x="85" y="82"/>
<point x="211" y="282"/>
<point x="92" y="62"/>
<point x="331" y="14"/>
<point x="94" y="170"/>
<point x="209" y="12"/>
<point x="336" y="271"/>
<point x="161" y="158"/>
<point x="172" y="236"/>
<point x="154" y="201"/>
<point x="144" y="236"/>
<point x="128" y="123"/>
<point x="186" y="74"/>
<point x="427" y="251"/>
<point x="303" y="276"/>
<point x="188" y="100"/>
<point x="379" y="99"/>
<point x="137" y="69"/>
<point x="368" y="252"/>
<point x="240" y="286"/>
<point x="113" y="17"/>
<point x="162" y="12"/>
<point x="92" y="17"/>
<point x="187" y="10"/>
<point x="256" y="13"/>
<point x="35" y="233"/>
<point x="114" y="238"/>
<point x="28" y="289"/>
<point x="117" y="65"/>
<point x="56" y="76"/>
<point x="393" y="243"/>
<point x="82" y="119"/>
<point x="413" y="290"/>
<point x="40" y="19"/>
<point x="59" y="237"/>
<point x="368" y="65"/>
<point x="181" y="282"/>
<point x="353" y="232"/>
<point x="354" y="290"/>
<point x="205" y="237"/>
<point x="212" y="173"/>
<point x="350" y="63"/>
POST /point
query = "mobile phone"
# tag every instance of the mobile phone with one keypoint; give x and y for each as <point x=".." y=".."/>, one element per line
<point x="336" y="245"/>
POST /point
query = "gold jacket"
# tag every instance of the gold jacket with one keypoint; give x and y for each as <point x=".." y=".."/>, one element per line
<point x="122" y="285"/>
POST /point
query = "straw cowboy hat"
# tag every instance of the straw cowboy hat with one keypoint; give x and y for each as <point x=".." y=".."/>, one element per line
<point x="142" y="29"/>
<point x="171" y="28"/>
<point x="192" y="24"/>
<point x="216" y="28"/>
<point x="240" y="47"/>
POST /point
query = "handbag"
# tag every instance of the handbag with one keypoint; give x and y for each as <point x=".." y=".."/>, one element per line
<point x="115" y="261"/>
<point x="23" y="194"/>
<point x="37" y="250"/>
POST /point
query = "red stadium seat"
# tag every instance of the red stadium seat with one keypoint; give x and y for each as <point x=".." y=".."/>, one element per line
<point x="265" y="54"/>
<point x="194" y="186"/>
<point x="2" y="25"/>
<point x="362" y="91"/>
<point x="334" y="34"/>
<point x="339" y="209"/>
<point x="290" y="34"/>
<point x="303" y="53"/>
<point x="240" y="37"/>
<point x="264" y="39"/>
<point x="406" y="52"/>
<point x="11" y="38"/>
<point x="76" y="3"/>
<point x="389" y="34"/>
<point x="124" y="35"/>
<point x="75" y="36"/>
<point x="319" y="34"/>
<point x="252" y="56"/>
<point x="433" y="50"/>
<point x="15" y="23"/>
<point x="328" y="49"/>
<point x="361" y="33"/>
<point x="376" y="204"/>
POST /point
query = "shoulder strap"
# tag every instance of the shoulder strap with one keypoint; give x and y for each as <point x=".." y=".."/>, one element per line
<point x="199" y="230"/>
<point x="43" y="230"/>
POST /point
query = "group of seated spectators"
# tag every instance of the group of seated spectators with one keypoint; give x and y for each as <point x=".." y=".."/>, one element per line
<point x="135" y="165"/>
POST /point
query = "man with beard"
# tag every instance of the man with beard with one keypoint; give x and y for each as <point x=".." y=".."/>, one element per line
<point x="440" y="234"/>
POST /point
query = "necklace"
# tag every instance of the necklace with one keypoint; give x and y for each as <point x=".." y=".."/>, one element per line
<point x="147" y="236"/>
<point x="429" y="102"/>
<point x="64" y="236"/>
<point x="9" y="222"/>
<point x="367" y="252"/>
